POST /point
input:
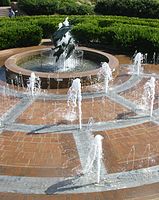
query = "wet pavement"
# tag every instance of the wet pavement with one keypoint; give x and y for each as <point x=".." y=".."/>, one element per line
<point x="42" y="153"/>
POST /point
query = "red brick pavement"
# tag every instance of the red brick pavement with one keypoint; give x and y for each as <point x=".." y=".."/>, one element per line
<point x="38" y="154"/>
<point x="7" y="102"/>
<point x="118" y="143"/>
<point x="55" y="112"/>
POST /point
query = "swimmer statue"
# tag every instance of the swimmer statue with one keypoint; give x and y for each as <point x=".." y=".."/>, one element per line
<point x="63" y="41"/>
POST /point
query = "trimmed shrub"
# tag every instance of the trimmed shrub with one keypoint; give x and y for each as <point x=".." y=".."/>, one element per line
<point x="39" y="7"/>
<point x="20" y="36"/>
<point x="70" y="7"/>
<point x="48" y="7"/>
<point x="124" y="33"/>
<point x="130" y="38"/>
<point x="67" y="7"/>
<point x="48" y="27"/>
<point x="86" y="32"/>
<point x="107" y="36"/>
<point x="4" y="2"/>
<point x="85" y="9"/>
<point x="135" y="8"/>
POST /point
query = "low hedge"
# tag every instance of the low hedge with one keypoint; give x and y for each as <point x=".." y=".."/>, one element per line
<point x="20" y="36"/>
<point x="86" y="32"/>
<point x="124" y="33"/>
<point x="133" y="8"/>
<point x="145" y="39"/>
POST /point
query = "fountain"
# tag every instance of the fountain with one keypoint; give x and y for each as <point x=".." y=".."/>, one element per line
<point x="33" y="84"/>
<point x="137" y="62"/>
<point x="106" y="72"/>
<point x="131" y="156"/>
<point x="95" y="157"/>
<point x="154" y="58"/>
<point x="90" y="125"/>
<point x="74" y="98"/>
<point x="65" y="51"/>
<point x="58" y="64"/>
<point x="70" y="153"/>
<point x="149" y="95"/>
<point x="147" y="153"/>
<point x="145" y="58"/>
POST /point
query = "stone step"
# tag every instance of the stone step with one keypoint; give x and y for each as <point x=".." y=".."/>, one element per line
<point x="4" y="11"/>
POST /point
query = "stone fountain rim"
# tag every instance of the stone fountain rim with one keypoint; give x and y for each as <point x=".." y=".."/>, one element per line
<point x="11" y="64"/>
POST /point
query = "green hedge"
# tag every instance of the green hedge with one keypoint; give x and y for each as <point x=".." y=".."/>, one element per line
<point x="145" y="39"/>
<point x="38" y="7"/>
<point x="4" y="2"/>
<point x="19" y="36"/>
<point x="123" y="33"/>
<point x="134" y="8"/>
<point x="86" y="32"/>
<point x="70" y="7"/>
<point x="48" y="7"/>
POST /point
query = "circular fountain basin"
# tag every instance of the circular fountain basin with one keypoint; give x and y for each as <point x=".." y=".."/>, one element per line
<point x="15" y="73"/>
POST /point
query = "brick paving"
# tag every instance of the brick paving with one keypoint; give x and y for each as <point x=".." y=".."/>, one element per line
<point x="115" y="195"/>
<point x="122" y="77"/>
<point x="7" y="102"/>
<point x="59" y="155"/>
<point x="151" y="69"/>
<point x="135" y="93"/>
<point x="119" y="154"/>
<point x="54" y="112"/>
<point x="24" y="154"/>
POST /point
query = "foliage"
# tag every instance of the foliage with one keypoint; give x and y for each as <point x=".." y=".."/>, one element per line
<point x="134" y="8"/>
<point x="130" y="37"/>
<point x="4" y="2"/>
<point x="86" y="32"/>
<point x="125" y="33"/>
<point x="38" y="7"/>
<point x="48" y="7"/>
<point x="19" y="36"/>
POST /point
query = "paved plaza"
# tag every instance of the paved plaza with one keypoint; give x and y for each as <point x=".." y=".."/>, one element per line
<point x="43" y="154"/>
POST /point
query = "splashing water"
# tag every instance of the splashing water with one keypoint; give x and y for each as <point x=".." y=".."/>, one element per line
<point x="149" y="95"/>
<point x="95" y="156"/>
<point x="131" y="157"/>
<point x="65" y="54"/>
<point x="106" y="72"/>
<point x="74" y="98"/>
<point x="90" y="125"/>
<point x="33" y="84"/>
<point x="137" y="62"/>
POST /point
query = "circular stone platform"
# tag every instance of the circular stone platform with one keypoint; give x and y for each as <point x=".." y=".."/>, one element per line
<point x="41" y="154"/>
<point x="19" y="75"/>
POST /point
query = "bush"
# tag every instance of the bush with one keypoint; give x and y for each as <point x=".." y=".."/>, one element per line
<point x="4" y="2"/>
<point x="85" y="32"/>
<point x="130" y="38"/>
<point x="70" y="7"/>
<point x="135" y="8"/>
<point x="124" y="33"/>
<point x="84" y="9"/>
<point x="67" y="7"/>
<point x="39" y="7"/>
<point x="19" y="36"/>
<point x="48" y="7"/>
<point x="48" y="27"/>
